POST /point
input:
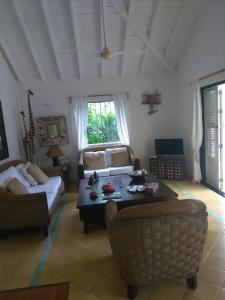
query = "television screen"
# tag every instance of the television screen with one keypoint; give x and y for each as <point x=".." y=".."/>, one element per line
<point x="169" y="147"/>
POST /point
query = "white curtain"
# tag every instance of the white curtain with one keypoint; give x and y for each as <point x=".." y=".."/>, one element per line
<point x="197" y="133"/>
<point x="79" y="119"/>
<point x="121" y="117"/>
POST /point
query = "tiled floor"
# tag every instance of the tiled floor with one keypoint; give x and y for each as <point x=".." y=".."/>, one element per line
<point x="86" y="260"/>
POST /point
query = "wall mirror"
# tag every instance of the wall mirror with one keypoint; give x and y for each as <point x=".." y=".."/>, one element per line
<point x="52" y="131"/>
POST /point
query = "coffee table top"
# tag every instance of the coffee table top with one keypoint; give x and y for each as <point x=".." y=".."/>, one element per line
<point x="121" y="182"/>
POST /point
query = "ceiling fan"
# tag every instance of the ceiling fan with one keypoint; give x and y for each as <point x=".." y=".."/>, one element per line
<point x="105" y="53"/>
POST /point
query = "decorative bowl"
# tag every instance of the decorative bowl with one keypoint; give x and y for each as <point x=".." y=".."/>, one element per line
<point x="108" y="188"/>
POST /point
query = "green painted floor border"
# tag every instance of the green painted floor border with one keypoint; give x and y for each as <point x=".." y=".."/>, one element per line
<point x="190" y="195"/>
<point x="47" y="246"/>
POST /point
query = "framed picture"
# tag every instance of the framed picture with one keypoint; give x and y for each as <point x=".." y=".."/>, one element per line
<point x="4" y="152"/>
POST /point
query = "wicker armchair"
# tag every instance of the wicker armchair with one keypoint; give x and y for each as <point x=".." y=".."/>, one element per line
<point x="157" y="241"/>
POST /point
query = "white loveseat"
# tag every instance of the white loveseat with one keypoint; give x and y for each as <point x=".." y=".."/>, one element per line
<point x="33" y="209"/>
<point x="107" y="161"/>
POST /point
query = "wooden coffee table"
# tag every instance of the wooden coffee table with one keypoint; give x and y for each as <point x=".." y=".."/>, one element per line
<point x="92" y="211"/>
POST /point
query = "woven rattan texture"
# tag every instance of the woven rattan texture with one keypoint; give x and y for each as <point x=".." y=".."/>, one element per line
<point x="159" y="248"/>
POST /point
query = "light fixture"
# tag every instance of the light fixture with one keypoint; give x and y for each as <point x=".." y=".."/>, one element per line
<point x="54" y="151"/>
<point x="105" y="54"/>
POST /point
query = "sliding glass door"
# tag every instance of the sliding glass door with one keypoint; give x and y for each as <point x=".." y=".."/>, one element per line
<point x="212" y="151"/>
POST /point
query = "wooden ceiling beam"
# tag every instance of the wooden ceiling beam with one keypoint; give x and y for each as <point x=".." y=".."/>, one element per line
<point x="19" y="16"/>
<point x="78" y="60"/>
<point x="125" y="40"/>
<point x="5" y="51"/>
<point x="119" y="7"/>
<point x="174" y="32"/>
<point x="49" y="32"/>
<point x="150" y="34"/>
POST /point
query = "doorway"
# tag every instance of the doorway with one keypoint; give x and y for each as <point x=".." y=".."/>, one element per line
<point x="213" y="148"/>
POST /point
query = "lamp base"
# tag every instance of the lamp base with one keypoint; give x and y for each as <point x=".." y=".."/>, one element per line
<point x="55" y="161"/>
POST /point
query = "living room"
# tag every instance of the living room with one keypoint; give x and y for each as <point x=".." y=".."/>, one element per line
<point x="54" y="75"/>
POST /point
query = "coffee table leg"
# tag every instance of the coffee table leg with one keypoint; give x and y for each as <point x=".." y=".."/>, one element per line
<point x="85" y="227"/>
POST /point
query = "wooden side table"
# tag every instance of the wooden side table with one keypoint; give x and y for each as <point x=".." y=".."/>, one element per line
<point x="65" y="169"/>
<point x="57" y="291"/>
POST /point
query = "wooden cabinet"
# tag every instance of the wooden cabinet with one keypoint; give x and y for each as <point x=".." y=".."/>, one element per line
<point x="168" y="166"/>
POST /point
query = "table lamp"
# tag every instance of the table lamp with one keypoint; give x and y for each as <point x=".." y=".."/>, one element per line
<point x="54" y="151"/>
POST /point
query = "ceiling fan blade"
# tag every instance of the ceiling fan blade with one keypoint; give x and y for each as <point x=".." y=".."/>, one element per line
<point x="129" y="52"/>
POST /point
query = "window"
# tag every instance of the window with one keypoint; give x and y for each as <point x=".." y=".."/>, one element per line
<point x="102" y="126"/>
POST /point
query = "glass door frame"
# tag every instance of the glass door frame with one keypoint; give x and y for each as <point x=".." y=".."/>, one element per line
<point x="203" y="146"/>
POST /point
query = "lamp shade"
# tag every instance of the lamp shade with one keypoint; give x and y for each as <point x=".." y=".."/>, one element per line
<point x="54" y="151"/>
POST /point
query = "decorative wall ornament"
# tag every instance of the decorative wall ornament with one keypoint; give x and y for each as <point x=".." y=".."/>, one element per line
<point x="4" y="153"/>
<point x="52" y="131"/>
<point x="151" y="100"/>
<point x="28" y="140"/>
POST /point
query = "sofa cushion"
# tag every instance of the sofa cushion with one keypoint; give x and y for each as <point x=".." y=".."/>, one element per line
<point x="21" y="177"/>
<point x="37" y="174"/>
<point x="7" y="175"/>
<point x="101" y="172"/>
<point x="16" y="187"/>
<point x="120" y="158"/>
<point x="109" y="152"/>
<point x="120" y="170"/>
<point x="29" y="178"/>
<point x="50" y="188"/>
<point x="95" y="160"/>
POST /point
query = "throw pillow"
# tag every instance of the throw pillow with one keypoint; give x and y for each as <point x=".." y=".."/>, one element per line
<point x="30" y="178"/>
<point x="21" y="176"/>
<point x="37" y="174"/>
<point x="16" y="187"/>
<point x="7" y="175"/>
<point x="118" y="157"/>
<point x="95" y="160"/>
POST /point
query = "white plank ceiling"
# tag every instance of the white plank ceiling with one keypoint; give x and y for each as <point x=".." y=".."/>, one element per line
<point x="45" y="39"/>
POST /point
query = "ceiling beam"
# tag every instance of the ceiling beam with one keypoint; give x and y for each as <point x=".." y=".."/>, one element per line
<point x="125" y="40"/>
<point x="49" y="32"/>
<point x="150" y="34"/>
<point x="78" y="61"/>
<point x="118" y="6"/>
<point x="174" y="31"/>
<point x="5" y="51"/>
<point x="27" y="38"/>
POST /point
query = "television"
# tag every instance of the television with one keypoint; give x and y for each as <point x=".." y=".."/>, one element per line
<point x="169" y="147"/>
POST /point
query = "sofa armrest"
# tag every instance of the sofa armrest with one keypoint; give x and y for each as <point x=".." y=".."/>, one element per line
<point x="20" y="211"/>
<point x="110" y="211"/>
<point x="52" y="171"/>
<point x="80" y="167"/>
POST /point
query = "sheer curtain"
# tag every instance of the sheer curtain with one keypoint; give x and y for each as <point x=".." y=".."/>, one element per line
<point x="197" y="133"/>
<point x="79" y="117"/>
<point x="121" y="117"/>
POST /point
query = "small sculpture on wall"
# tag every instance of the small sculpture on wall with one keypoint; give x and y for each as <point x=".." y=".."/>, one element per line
<point x="151" y="100"/>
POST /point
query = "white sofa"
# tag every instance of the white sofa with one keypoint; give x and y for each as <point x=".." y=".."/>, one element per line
<point x="128" y="161"/>
<point x="34" y="209"/>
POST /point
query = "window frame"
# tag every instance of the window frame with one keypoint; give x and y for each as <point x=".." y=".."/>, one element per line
<point x="106" y="144"/>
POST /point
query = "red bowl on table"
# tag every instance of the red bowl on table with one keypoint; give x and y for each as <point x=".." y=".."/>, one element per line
<point x="108" y="188"/>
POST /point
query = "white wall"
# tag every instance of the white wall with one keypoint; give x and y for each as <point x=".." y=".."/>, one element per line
<point x="204" y="54"/>
<point x="8" y="97"/>
<point x="51" y="99"/>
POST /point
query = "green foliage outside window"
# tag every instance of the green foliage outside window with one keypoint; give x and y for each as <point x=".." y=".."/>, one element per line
<point x="102" y="126"/>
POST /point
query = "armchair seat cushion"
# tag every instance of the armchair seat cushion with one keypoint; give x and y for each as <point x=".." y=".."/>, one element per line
<point x="100" y="172"/>
<point x="51" y="189"/>
<point x="120" y="170"/>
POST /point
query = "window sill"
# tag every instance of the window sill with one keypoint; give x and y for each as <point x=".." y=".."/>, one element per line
<point x="104" y="144"/>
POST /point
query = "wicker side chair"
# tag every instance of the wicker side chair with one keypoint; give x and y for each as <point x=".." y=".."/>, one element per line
<point x="157" y="241"/>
